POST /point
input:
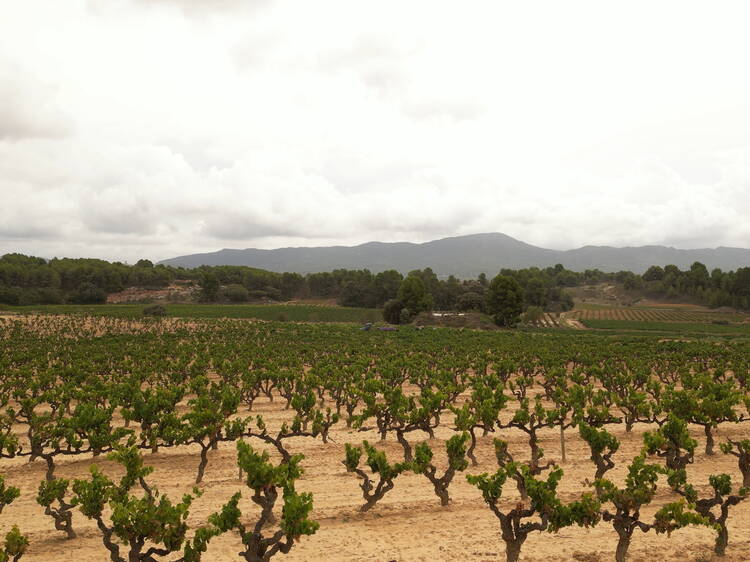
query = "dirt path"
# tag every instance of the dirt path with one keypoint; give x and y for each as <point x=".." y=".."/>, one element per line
<point x="569" y="322"/>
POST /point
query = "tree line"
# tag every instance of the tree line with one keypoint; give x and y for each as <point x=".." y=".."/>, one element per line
<point x="26" y="280"/>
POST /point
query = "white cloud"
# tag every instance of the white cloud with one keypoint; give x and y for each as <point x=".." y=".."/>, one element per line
<point x="28" y="108"/>
<point x="151" y="128"/>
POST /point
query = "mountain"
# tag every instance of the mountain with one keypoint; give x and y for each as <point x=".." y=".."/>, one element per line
<point x="465" y="257"/>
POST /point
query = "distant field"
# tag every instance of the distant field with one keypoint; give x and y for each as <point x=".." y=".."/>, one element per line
<point x="291" y="312"/>
<point x="679" y="327"/>
<point x="654" y="315"/>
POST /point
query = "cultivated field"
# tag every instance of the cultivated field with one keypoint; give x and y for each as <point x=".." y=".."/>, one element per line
<point x="274" y="312"/>
<point x="656" y="315"/>
<point x="69" y="384"/>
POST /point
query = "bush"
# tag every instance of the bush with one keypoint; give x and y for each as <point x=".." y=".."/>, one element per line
<point x="470" y="301"/>
<point x="235" y="293"/>
<point x="268" y="292"/>
<point x="533" y="314"/>
<point x="155" y="310"/>
<point x="392" y="311"/>
<point x="405" y="316"/>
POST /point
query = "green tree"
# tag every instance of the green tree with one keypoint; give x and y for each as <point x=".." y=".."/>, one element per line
<point x="88" y="293"/>
<point x="209" y="285"/>
<point x="504" y="301"/>
<point x="414" y="296"/>
<point x="654" y="273"/>
<point x="387" y="284"/>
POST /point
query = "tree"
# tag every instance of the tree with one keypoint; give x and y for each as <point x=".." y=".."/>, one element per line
<point x="535" y="292"/>
<point x="209" y="285"/>
<point x="504" y="301"/>
<point x="653" y="273"/>
<point x="470" y="301"/>
<point x="414" y="296"/>
<point x="88" y="293"/>
<point x="387" y="284"/>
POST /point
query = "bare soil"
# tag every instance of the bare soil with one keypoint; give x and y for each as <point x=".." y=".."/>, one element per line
<point x="408" y="524"/>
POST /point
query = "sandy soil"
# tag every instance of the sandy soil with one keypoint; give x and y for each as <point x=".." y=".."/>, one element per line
<point x="408" y="524"/>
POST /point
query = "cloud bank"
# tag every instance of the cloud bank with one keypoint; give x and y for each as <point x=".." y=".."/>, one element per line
<point x="152" y="128"/>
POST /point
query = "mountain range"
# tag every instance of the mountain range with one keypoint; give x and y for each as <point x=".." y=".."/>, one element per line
<point x="465" y="257"/>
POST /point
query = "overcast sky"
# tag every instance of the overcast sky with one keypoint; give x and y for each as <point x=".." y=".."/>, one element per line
<point x="153" y="128"/>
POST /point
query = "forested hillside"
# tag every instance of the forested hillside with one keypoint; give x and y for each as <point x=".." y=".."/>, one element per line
<point x="26" y="280"/>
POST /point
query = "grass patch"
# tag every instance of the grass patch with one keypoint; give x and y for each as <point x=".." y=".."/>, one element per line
<point x="277" y="312"/>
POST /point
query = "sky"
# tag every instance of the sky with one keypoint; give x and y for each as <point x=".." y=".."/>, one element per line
<point x="153" y="128"/>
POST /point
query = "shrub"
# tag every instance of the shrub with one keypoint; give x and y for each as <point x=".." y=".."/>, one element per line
<point x="235" y="293"/>
<point x="470" y="301"/>
<point x="155" y="310"/>
<point x="533" y="314"/>
<point x="405" y="316"/>
<point x="392" y="311"/>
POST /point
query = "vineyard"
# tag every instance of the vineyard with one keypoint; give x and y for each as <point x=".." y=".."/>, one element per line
<point x="654" y="315"/>
<point x="275" y="312"/>
<point x="226" y="439"/>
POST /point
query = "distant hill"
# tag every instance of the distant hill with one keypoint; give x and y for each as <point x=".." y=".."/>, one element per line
<point x="465" y="257"/>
